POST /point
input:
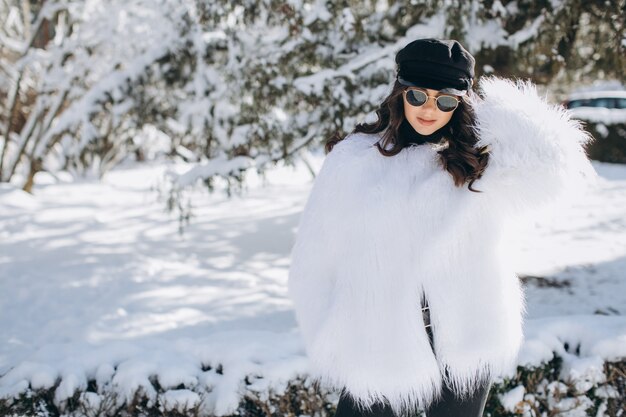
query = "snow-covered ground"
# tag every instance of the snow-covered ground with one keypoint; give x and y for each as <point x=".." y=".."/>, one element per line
<point x="96" y="282"/>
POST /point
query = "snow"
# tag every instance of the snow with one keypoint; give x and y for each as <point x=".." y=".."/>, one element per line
<point x="180" y="399"/>
<point x="610" y="90"/>
<point x="483" y="33"/>
<point x="314" y="83"/>
<point x="511" y="399"/>
<point x="98" y="284"/>
<point x="600" y="115"/>
<point x="433" y="27"/>
<point x="526" y="33"/>
<point x="599" y="86"/>
<point x="317" y="11"/>
<point x="218" y="166"/>
<point x="590" y="339"/>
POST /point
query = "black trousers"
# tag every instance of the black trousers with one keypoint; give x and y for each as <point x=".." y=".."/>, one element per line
<point x="449" y="405"/>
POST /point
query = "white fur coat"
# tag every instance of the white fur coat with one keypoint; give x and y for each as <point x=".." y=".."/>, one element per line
<point x="376" y="231"/>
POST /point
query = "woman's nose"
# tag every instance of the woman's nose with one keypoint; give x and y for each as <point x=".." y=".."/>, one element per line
<point x="431" y="103"/>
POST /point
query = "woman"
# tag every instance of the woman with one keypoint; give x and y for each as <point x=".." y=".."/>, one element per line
<point x="403" y="296"/>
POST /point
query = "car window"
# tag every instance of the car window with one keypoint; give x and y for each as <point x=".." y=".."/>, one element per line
<point x="604" y="102"/>
<point x="609" y="103"/>
<point x="576" y="103"/>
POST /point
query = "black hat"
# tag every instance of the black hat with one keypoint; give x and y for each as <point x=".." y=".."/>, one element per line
<point x="437" y="64"/>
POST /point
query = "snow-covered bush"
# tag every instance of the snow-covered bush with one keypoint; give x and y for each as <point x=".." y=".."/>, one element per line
<point x="533" y="392"/>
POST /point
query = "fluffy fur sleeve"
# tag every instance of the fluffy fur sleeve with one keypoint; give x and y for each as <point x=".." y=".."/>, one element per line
<point x="536" y="149"/>
<point x="314" y="254"/>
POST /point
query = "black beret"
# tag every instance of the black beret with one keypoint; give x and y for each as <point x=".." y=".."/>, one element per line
<point x="436" y="63"/>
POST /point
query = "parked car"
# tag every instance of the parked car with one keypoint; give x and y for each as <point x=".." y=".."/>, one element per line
<point x="604" y="116"/>
<point x="615" y="99"/>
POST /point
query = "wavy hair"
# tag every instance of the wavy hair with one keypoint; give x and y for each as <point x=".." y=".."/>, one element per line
<point x="460" y="158"/>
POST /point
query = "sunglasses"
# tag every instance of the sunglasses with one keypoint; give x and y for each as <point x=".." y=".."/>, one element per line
<point x="418" y="98"/>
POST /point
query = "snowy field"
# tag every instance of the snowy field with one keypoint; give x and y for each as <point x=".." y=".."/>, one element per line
<point x="97" y="283"/>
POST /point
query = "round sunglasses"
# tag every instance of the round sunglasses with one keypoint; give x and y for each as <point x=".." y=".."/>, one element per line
<point x="418" y="98"/>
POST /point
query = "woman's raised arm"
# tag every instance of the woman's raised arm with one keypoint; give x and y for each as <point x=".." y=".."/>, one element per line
<point x="536" y="148"/>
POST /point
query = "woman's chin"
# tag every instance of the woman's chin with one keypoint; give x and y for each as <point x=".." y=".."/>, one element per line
<point x="426" y="132"/>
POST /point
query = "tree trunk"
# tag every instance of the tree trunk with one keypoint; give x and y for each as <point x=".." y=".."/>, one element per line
<point x="35" y="167"/>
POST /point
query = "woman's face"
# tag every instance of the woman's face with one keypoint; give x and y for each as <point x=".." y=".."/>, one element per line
<point x="427" y="118"/>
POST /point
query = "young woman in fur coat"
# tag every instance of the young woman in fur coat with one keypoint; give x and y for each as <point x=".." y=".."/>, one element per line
<point x="401" y="291"/>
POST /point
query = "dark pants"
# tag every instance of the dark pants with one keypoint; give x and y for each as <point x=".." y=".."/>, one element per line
<point x="449" y="405"/>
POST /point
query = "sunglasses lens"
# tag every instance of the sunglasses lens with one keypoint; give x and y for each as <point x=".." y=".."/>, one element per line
<point x="416" y="97"/>
<point x="447" y="103"/>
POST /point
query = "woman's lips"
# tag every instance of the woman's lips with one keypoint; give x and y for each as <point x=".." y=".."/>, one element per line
<point x="425" y="122"/>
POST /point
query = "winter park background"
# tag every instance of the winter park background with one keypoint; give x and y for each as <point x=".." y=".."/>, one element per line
<point x="155" y="156"/>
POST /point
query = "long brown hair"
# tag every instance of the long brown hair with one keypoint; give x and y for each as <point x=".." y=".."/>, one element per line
<point x="460" y="158"/>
